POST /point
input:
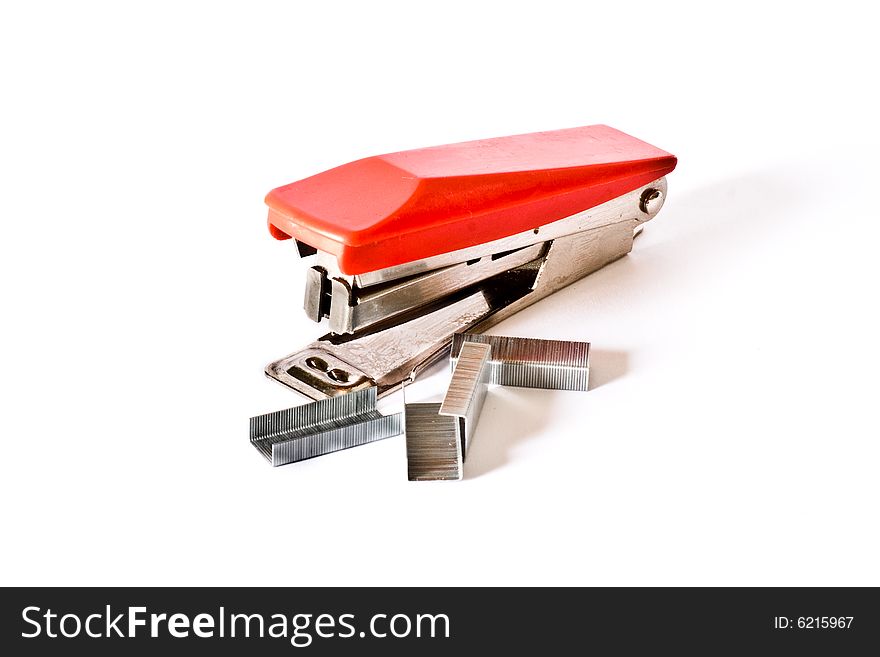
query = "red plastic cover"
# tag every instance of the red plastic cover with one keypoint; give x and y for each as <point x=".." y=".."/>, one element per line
<point x="391" y="209"/>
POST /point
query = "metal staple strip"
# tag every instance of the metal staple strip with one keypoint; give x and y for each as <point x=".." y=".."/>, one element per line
<point x="320" y="427"/>
<point x="531" y="362"/>
<point x="467" y="389"/>
<point x="433" y="445"/>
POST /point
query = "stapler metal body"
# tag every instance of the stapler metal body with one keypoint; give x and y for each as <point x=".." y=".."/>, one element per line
<point x="410" y="248"/>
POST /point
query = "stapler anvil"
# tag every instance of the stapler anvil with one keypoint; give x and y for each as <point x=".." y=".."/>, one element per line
<point x="412" y="247"/>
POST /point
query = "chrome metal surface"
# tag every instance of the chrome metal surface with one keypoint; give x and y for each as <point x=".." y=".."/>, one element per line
<point x="568" y="259"/>
<point x="385" y="359"/>
<point x="652" y="200"/>
<point x="467" y="390"/>
<point x="570" y="249"/>
<point x="352" y="309"/>
<point x="433" y="444"/>
<point x="317" y="299"/>
<point x="321" y="427"/>
<point x="531" y="362"/>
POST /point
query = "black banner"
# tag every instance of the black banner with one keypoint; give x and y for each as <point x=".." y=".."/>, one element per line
<point x="114" y="621"/>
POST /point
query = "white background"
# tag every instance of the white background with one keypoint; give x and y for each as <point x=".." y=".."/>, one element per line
<point x="731" y="436"/>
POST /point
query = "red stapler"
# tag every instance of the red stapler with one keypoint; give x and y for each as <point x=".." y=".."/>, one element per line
<point x="410" y="248"/>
